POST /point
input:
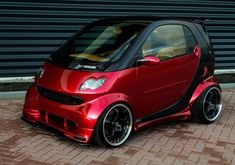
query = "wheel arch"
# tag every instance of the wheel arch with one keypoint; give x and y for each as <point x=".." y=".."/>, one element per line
<point x="101" y="104"/>
<point x="125" y="102"/>
<point x="209" y="82"/>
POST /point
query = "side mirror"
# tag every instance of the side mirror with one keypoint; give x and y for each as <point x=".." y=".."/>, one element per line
<point x="197" y="51"/>
<point x="149" y="60"/>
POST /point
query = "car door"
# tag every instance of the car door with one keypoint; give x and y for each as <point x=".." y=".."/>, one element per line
<point x="161" y="85"/>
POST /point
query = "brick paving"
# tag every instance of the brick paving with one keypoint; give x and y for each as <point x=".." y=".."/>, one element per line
<point x="177" y="143"/>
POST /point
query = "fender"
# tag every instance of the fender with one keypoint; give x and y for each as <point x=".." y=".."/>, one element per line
<point x="30" y="109"/>
<point x="100" y="104"/>
<point x="210" y="81"/>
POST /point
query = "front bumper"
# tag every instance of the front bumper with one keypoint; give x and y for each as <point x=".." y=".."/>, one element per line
<point x="74" y="121"/>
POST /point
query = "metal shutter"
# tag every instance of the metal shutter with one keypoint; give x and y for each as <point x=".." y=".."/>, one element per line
<point x="31" y="29"/>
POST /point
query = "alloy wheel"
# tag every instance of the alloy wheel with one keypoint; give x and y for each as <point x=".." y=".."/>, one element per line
<point x="117" y="124"/>
<point x="212" y="104"/>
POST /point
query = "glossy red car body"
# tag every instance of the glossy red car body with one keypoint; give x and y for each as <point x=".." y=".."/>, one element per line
<point x="144" y="91"/>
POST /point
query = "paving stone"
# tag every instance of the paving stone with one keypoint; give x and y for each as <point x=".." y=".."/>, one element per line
<point x="175" y="143"/>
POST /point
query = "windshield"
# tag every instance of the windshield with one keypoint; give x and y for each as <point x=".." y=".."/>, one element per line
<point x="97" y="45"/>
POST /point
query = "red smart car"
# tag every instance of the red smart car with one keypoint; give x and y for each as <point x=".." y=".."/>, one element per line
<point x="119" y="75"/>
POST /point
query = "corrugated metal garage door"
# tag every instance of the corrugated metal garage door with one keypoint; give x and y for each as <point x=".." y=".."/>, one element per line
<point x="31" y="29"/>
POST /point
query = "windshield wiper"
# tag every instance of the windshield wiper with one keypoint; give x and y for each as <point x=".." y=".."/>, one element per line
<point x="88" y="67"/>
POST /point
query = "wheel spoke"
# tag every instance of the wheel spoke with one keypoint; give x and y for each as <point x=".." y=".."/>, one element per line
<point x="207" y="102"/>
<point x="214" y="112"/>
<point x="214" y="98"/>
<point x="108" y="122"/>
<point x="116" y="116"/>
<point x="110" y="132"/>
<point x="210" y="96"/>
<point x="207" y="110"/>
<point x="206" y="107"/>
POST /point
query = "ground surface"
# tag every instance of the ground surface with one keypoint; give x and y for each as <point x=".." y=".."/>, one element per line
<point x="175" y="143"/>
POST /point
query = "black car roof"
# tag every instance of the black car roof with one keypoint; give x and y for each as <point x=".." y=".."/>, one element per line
<point x="150" y="19"/>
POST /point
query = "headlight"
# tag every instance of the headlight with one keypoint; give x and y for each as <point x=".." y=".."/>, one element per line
<point x="92" y="83"/>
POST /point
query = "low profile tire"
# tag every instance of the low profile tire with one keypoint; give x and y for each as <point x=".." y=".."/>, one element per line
<point x="208" y="106"/>
<point x="114" y="126"/>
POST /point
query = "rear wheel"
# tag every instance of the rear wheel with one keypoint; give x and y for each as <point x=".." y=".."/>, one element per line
<point x="114" y="126"/>
<point x="208" y="106"/>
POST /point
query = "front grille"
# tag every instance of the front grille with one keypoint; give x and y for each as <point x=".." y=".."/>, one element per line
<point x="59" y="97"/>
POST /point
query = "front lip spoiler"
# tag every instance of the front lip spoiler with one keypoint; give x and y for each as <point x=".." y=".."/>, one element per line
<point x="56" y="130"/>
<point x="29" y="121"/>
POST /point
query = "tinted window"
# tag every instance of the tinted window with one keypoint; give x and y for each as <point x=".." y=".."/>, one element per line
<point x="166" y="42"/>
<point x="98" y="44"/>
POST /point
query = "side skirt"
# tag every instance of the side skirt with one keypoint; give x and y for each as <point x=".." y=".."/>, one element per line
<point x="182" y="115"/>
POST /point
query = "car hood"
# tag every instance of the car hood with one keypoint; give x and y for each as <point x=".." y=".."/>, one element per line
<point x="67" y="80"/>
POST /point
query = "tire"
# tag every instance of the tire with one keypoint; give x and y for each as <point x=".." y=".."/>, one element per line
<point x="208" y="106"/>
<point x="114" y="126"/>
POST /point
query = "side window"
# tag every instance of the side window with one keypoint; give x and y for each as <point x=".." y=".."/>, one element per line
<point x="166" y="42"/>
<point x="190" y="39"/>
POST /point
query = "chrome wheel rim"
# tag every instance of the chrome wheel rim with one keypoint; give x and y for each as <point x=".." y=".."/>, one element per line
<point x="212" y="104"/>
<point x="117" y="124"/>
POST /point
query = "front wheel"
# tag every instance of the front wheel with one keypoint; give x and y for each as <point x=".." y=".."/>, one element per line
<point x="114" y="126"/>
<point x="208" y="106"/>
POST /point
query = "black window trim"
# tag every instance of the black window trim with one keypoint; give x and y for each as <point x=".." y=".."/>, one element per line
<point x="188" y="53"/>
